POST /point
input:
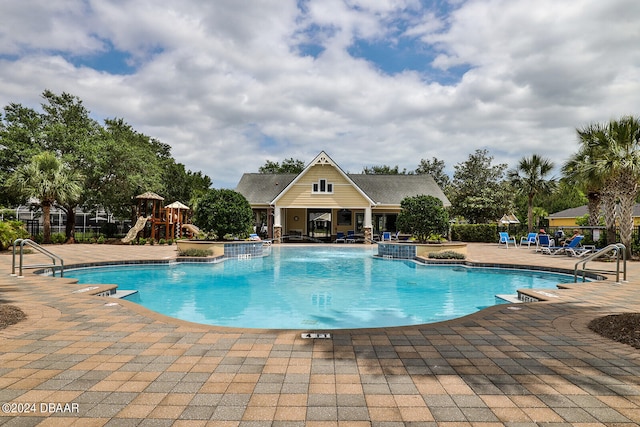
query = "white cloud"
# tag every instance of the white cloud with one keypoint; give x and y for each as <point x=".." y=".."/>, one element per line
<point x="225" y="85"/>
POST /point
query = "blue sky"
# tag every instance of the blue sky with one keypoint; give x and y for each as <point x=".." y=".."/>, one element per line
<point x="229" y="85"/>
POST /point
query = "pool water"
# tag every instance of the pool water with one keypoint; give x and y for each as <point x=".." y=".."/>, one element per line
<point x="316" y="288"/>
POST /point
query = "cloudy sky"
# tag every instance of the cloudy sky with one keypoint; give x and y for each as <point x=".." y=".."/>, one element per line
<point x="231" y="83"/>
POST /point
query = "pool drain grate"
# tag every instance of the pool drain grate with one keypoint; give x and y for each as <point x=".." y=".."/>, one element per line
<point x="313" y="335"/>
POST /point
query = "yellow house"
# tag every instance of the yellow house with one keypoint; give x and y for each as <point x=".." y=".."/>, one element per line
<point x="567" y="217"/>
<point x="323" y="200"/>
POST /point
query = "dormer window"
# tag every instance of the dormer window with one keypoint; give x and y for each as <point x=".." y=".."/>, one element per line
<point x="322" y="186"/>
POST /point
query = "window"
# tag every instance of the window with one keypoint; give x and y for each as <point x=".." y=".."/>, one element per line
<point x="322" y="186"/>
<point x="344" y="217"/>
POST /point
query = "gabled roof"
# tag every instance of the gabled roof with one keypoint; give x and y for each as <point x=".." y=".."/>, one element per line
<point x="322" y="159"/>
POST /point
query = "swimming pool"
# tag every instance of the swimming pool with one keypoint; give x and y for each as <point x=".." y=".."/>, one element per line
<point x="315" y="288"/>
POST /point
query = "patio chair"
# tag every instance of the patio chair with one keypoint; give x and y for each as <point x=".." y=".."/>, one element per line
<point x="506" y="239"/>
<point x="529" y="239"/>
<point x="557" y="250"/>
<point x="340" y="237"/>
<point x="386" y="236"/>
<point x="351" y="236"/>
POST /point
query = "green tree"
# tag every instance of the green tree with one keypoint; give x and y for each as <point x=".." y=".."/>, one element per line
<point x="615" y="160"/>
<point x="423" y="216"/>
<point x="223" y="212"/>
<point x="70" y="132"/>
<point x="48" y="180"/>
<point x="20" y="139"/>
<point x="565" y="196"/>
<point x="435" y="168"/>
<point x="383" y="170"/>
<point x="131" y="164"/>
<point x="182" y="184"/>
<point x="579" y="171"/>
<point x="289" y="165"/>
<point x="478" y="191"/>
<point x="529" y="179"/>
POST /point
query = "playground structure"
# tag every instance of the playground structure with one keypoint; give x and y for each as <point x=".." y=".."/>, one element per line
<point x="156" y="221"/>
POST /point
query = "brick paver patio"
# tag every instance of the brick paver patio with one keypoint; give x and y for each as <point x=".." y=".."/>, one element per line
<point x="81" y="360"/>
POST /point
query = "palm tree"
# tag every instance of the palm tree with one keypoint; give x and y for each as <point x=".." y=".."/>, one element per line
<point x="580" y="171"/>
<point x="49" y="180"/>
<point x="529" y="179"/>
<point x="615" y="161"/>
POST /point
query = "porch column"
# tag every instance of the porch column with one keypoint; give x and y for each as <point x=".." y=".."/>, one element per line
<point x="277" y="225"/>
<point x="367" y="226"/>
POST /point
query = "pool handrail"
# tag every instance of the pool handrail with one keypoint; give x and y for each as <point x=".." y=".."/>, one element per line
<point x="618" y="248"/>
<point x="34" y="245"/>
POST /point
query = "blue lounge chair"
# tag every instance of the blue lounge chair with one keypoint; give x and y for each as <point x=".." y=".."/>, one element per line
<point x="556" y="250"/>
<point x="529" y="239"/>
<point x="351" y="236"/>
<point x="340" y="237"/>
<point x="582" y="251"/>
<point x="506" y="239"/>
<point x="386" y="236"/>
<point x="544" y="241"/>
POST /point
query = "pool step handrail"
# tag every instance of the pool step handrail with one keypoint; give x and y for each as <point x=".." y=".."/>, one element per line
<point x="37" y="247"/>
<point x="618" y="249"/>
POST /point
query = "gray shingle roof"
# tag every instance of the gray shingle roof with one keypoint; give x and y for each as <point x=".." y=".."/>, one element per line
<point x="260" y="188"/>
<point x="583" y="210"/>
<point x="384" y="189"/>
<point x="391" y="189"/>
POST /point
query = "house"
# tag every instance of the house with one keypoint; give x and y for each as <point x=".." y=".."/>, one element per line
<point x="567" y="217"/>
<point x="323" y="200"/>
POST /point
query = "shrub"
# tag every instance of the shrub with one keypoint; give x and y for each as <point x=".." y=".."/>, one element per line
<point x="10" y="231"/>
<point x="100" y="240"/>
<point x="152" y="242"/>
<point x="170" y="242"/>
<point x="195" y="252"/>
<point x="162" y="242"/>
<point x="142" y="241"/>
<point x="485" y="233"/>
<point x="58" y="238"/>
<point x="446" y="255"/>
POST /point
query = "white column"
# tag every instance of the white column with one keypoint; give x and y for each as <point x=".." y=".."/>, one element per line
<point x="367" y="217"/>
<point x="277" y="222"/>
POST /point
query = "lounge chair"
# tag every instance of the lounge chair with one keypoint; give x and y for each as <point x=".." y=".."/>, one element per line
<point x="386" y="236"/>
<point x="581" y="251"/>
<point x="544" y="241"/>
<point x="506" y="239"/>
<point x="557" y="250"/>
<point x="529" y="239"/>
<point x="395" y="236"/>
<point x="351" y="236"/>
<point x="340" y="237"/>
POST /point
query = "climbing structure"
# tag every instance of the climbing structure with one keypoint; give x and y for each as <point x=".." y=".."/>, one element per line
<point x="155" y="221"/>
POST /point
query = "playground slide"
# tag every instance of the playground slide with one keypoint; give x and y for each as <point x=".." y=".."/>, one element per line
<point x="191" y="229"/>
<point x="133" y="232"/>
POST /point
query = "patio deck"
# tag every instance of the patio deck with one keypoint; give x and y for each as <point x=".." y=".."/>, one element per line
<point x="122" y="365"/>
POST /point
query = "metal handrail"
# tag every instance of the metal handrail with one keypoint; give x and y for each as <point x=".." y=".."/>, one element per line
<point x="40" y="249"/>
<point x="618" y="248"/>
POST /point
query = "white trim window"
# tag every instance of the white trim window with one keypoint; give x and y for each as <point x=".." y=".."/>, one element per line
<point x="322" y="187"/>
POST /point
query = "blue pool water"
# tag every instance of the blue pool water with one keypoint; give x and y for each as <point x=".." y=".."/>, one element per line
<point x="316" y="288"/>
